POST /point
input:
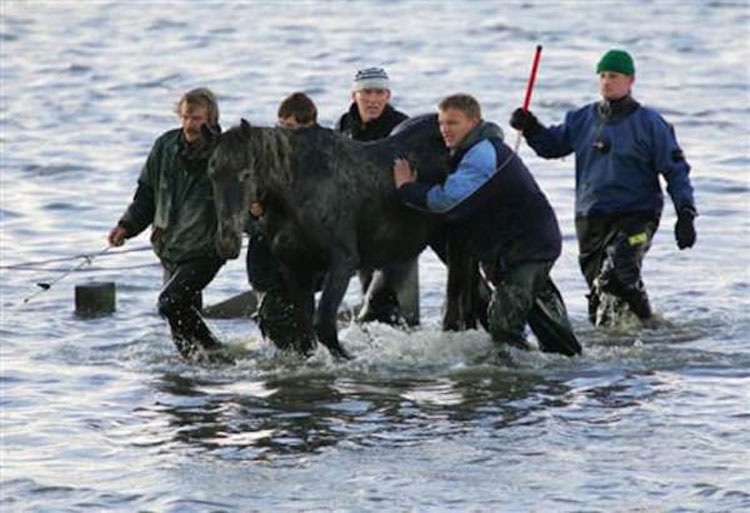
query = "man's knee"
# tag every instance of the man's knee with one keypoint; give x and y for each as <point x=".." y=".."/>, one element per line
<point x="621" y="269"/>
<point x="172" y="303"/>
<point x="508" y="310"/>
<point x="167" y="304"/>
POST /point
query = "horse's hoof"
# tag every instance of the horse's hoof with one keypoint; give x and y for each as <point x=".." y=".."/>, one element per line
<point x="213" y="356"/>
<point x="339" y="353"/>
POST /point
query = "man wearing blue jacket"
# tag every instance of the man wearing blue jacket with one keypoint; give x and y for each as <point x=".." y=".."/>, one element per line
<point x="621" y="148"/>
<point x="509" y="224"/>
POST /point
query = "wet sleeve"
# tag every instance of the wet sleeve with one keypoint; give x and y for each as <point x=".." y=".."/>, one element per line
<point x="140" y="213"/>
<point x="554" y="141"/>
<point x="459" y="196"/>
<point x="670" y="162"/>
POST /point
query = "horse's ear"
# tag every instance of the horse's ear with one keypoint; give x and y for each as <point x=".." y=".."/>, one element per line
<point x="245" y="127"/>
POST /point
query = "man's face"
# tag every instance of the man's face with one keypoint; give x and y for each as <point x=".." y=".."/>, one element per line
<point x="193" y="118"/>
<point x="614" y="85"/>
<point x="291" y="122"/>
<point x="454" y="125"/>
<point x="371" y="102"/>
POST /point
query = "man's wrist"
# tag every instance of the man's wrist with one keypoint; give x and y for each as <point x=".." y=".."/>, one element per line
<point x="687" y="211"/>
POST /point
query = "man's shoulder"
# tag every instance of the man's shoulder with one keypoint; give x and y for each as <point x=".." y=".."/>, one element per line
<point x="581" y="112"/>
<point x="482" y="154"/>
<point x="650" y="114"/>
<point x="393" y="115"/>
<point x="346" y="119"/>
<point x="168" y="138"/>
<point x="342" y="121"/>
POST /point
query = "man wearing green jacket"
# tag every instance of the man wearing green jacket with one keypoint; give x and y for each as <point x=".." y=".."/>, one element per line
<point x="174" y="195"/>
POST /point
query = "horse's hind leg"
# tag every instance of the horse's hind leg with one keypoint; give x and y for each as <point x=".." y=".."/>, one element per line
<point x="461" y="293"/>
<point x="381" y="302"/>
<point x="334" y="288"/>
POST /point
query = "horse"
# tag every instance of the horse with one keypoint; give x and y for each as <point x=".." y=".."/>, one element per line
<point x="330" y="208"/>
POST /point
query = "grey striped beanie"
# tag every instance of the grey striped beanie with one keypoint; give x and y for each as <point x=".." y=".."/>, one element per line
<point x="370" y="78"/>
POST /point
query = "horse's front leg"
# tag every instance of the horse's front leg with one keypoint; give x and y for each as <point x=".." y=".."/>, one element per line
<point x="334" y="287"/>
<point x="300" y="291"/>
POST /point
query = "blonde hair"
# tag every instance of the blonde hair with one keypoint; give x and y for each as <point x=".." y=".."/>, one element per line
<point x="463" y="102"/>
<point x="203" y="97"/>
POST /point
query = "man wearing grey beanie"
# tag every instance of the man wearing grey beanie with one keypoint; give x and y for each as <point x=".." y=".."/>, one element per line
<point x="371" y="117"/>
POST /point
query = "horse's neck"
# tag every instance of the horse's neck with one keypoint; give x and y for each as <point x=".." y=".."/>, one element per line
<point x="421" y="146"/>
<point x="272" y="151"/>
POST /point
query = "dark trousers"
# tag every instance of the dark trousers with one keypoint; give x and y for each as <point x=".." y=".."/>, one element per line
<point x="611" y="252"/>
<point x="180" y="302"/>
<point x="527" y="295"/>
<point x="277" y="314"/>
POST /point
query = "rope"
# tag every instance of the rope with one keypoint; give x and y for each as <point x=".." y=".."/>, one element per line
<point x="21" y="267"/>
<point x="29" y="265"/>
<point x="40" y="265"/>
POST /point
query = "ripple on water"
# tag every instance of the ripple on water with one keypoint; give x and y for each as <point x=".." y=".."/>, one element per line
<point x="54" y="169"/>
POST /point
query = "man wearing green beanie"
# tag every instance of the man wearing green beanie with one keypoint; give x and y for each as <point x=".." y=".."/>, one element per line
<point x="621" y="148"/>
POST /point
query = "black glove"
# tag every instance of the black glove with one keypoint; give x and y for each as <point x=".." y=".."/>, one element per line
<point x="525" y="121"/>
<point x="684" y="231"/>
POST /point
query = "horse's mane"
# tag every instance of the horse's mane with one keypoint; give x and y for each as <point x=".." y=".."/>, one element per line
<point x="267" y="148"/>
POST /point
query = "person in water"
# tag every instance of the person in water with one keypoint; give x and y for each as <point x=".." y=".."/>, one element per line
<point x="621" y="148"/>
<point x="175" y="197"/>
<point x="510" y="226"/>
<point x="371" y="117"/>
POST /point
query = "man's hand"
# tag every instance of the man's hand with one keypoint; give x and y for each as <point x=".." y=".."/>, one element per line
<point x="402" y="173"/>
<point x="684" y="230"/>
<point x="117" y="236"/>
<point x="256" y="209"/>
<point x="524" y="121"/>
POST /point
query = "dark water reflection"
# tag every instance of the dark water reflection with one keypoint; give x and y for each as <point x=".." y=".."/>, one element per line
<point x="307" y="415"/>
<point x="100" y="415"/>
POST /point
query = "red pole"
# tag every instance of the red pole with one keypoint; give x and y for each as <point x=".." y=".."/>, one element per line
<point x="529" y="87"/>
<point x="532" y="78"/>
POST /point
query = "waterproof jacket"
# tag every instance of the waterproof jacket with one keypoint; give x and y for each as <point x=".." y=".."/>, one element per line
<point x="351" y="125"/>
<point x="495" y="201"/>
<point x="619" y="157"/>
<point x="174" y="195"/>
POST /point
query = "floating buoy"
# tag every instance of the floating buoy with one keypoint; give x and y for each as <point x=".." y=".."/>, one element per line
<point x="94" y="299"/>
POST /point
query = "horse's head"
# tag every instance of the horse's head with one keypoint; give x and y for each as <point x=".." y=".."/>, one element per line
<point x="234" y="179"/>
<point x="423" y="145"/>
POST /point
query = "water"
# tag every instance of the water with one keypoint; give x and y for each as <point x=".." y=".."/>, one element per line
<point x="101" y="414"/>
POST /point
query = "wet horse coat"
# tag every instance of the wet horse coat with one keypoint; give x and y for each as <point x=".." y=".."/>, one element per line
<point x="330" y="208"/>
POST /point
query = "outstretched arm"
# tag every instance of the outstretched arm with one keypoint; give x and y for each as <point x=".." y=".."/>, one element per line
<point x="459" y="195"/>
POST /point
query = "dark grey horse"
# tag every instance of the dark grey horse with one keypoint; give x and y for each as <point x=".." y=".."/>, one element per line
<point x="330" y="208"/>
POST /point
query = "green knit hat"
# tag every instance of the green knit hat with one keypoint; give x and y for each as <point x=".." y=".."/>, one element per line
<point x="616" y="60"/>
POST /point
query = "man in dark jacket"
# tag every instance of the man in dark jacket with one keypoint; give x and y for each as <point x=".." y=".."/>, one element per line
<point x="507" y="220"/>
<point x="369" y="118"/>
<point x="174" y="195"/>
<point x="621" y="148"/>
